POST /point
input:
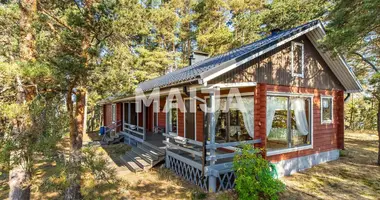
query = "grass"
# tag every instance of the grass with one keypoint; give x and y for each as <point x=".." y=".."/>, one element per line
<point x="354" y="176"/>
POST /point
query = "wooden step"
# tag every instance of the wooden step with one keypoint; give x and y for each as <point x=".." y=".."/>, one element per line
<point x="130" y="163"/>
<point x="138" y="160"/>
<point x="151" y="150"/>
<point x="153" y="155"/>
<point x="158" y="149"/>
<point x="144" y="155"/>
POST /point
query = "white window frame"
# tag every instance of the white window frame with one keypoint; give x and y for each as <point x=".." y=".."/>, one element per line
<point x="113" y="112"/>
<point x="293" y="149"/>
<point x="294" y="44"/>
<point x="195" y="119"/>
<point x="332" y="109"/>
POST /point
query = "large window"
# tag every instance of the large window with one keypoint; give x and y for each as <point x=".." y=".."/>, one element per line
<point x="234" y="121"/>
<point x="288" y="122"/>
<point x="297" y="56"/>
<point x="326" y="109"/>
<point x="173" y="118"/>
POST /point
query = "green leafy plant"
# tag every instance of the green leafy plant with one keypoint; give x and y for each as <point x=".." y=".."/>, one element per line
<point x="253" y="176"/>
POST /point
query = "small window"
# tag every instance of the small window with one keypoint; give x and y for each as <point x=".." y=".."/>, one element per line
<point x="326" y="110"/>
<point x="297" y="56"/>
<point x="113" y="112"/>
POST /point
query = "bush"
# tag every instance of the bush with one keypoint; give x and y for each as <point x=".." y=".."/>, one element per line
<point x="253" y="176"/>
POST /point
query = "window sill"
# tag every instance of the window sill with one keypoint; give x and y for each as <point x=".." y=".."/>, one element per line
<point x="327" y="122"/>
<point x="282" y="151"/>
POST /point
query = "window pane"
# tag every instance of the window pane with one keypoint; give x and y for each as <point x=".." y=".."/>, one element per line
<point x="221" y="121"/>
<point x="133" y="114"/>
<point x="300" y="121"/>
<point x="277" y="123"/>
<point x="173" y="118"/>
<point x="241" y="119"/>
<point x="189" y="121"/>
<point x="125" y="112"/>
<point x="155" y="119"/>
<point x="326" y="109"/>
<point x="232" y="125"/>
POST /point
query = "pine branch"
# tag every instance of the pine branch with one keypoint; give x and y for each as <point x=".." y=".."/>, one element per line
<point x="45" y="12"/>
<point x="367" y="61"/>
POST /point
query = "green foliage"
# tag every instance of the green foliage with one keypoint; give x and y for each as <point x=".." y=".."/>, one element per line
<point x="285" y="14"/>
<point x="198" y="195"/>
<point x="99" y="179"/>
<point x="352" y="21"/>
<point x="253" y="176"/>
<point x="360" y="113"/>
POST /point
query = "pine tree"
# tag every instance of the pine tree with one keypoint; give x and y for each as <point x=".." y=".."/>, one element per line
<point x="354" y="31"/>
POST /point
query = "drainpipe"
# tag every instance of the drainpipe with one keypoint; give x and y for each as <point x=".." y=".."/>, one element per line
<point x="347" y="97"/>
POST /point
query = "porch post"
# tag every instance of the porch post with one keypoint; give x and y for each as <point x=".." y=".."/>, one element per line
<point x="212" y="179"/>
<point x="144" y="121"/>
<point x="167" y="163"/>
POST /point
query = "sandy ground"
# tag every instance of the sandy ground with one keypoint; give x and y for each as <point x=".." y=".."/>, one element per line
<point x="353" y="176"/>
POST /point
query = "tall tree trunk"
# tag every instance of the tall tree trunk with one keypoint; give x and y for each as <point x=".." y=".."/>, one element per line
<point x="20" y="175"/>
<point x="27" y="34"/>
<point x="77" y="115"/>
<point x="378" y="130"/>
<point x="76" y="136"/>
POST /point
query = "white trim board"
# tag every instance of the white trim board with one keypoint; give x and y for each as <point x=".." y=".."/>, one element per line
<point x="293" y="46"/>
<point x="293" y="165"/>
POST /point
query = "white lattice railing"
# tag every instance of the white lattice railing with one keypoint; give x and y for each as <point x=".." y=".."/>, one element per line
<point x="226" y="181"/>
<point x="187" y="171"/>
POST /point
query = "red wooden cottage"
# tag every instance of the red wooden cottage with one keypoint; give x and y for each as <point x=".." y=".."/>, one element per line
<point x="292" y="91"/>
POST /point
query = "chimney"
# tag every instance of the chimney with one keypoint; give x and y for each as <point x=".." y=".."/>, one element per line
<point x="275" y="31"/>
<point x="197" y="56"/>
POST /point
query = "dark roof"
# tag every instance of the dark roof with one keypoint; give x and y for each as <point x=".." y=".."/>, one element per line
<point x="192" y="72"/>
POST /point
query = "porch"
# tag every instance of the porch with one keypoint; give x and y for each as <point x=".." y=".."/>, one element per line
<point x="203" y="157"/>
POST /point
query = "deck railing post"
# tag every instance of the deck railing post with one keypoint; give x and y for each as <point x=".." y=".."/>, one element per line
<point x="212" y="179"/>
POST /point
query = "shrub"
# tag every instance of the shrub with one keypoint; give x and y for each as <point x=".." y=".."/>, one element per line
<point x="253" y="176"/>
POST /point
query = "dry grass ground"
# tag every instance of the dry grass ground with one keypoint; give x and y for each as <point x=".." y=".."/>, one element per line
<point x="353" y="176"/>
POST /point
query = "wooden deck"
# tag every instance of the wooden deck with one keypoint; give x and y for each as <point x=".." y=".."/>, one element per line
<point x="155" y="139"/>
